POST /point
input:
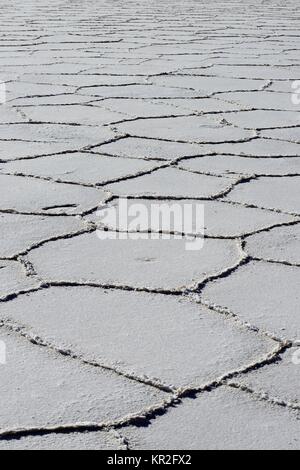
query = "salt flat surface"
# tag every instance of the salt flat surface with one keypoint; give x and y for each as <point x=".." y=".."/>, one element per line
<point x="141" y="343"/>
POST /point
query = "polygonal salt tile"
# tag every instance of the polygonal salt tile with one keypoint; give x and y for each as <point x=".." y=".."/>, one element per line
<point x="12" y="150"/>
<point x="167" y="264"/>
<point x="79" y="168"/>
<point x="173" y="182"/>
<point x="144" y="148"/>
<point x="263" y="119"/>
<point x="261" y="99"/>
<point x="71" y="137"/>
<point x="20" y="232"/>
<point x="55" y="68"/>
<point x="282" y="193"/>
<point x="283" y="86"/>
<point x="172" y="339"/>
<point x="261" y="148"/>
<point x="209" y="84"/>
<point x="72" y="114"/>
<point x="27" y="140"/>
<point x="194" y="129"/>
<point x="30" y="195"/>
<point x="136" y="91"/>
<point x="256" y="72"/>
<point x="202" y="105"/>
<point x="278" y="244"/>
<point x="221" y="219"/>
<point x="133" y="70"/>
<point x="40" y="387"/>
<point x="264" y="294"/>
<point x="22" y="90"/>
<point x="138" y="107"/>
<point x="81" y="80"/>
<point x="291" y="135"/>
<point x="61" y="100"/>
<point x="227" y="164"/>
<point x="223" y="419"/>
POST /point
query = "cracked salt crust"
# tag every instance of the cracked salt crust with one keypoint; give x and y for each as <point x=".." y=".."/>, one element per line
<point x="136" y="91"/>
<point x="76" y="81"/>
<point x="52" y="100"/>
<point x="173" y="183"/>
<point x="266" y="119"/>
<point x="139" y="107"/>
<point x="27" y="140"/>
<point x="151" y="264"/>
<point x="210" y="84"/>
<point x="67" y="135"/>
<point x="125" y="85"/>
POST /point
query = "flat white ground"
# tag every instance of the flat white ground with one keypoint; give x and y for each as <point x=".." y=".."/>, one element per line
<point x="141" y="344"/>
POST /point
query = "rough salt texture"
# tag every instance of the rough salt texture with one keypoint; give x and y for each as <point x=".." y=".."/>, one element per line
<point x="108" y="339"/>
